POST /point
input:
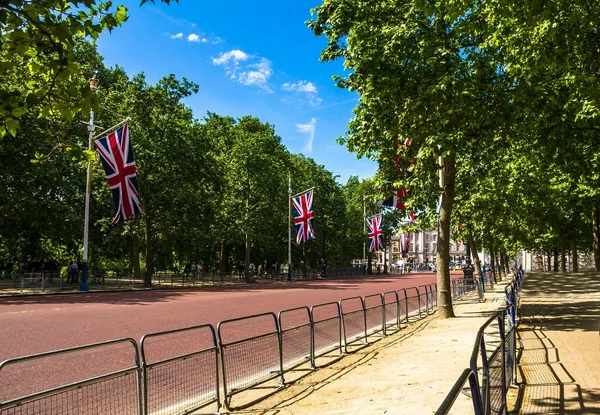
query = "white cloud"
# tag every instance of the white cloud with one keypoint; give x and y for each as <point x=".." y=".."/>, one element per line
<point x="301" y="86"/>
<point x="310" y="130"/>
<point x="177" y="36"/>
<point x="233" y="55"/>
<point x="217" y="40"/>
<point x="252" y="74"/>
<point x="195" y="38"/>
<point x="305" y="89"/>
<point x="259" y="76"/>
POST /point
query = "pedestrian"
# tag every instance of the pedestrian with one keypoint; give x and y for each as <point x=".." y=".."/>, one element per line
<point x="73" y="273"/>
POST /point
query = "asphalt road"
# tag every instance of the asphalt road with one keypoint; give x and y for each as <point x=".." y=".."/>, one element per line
<point x="36" y="324"/>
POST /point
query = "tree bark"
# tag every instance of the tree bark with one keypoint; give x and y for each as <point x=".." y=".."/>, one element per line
<point x="445" y="309"/>
<point x="247" y="275"/>
<point x="493" y="262"/>
<point x="149" y="257"/>
<point x="563" y="260"/>
<point x="136" y="254"/>
<point x="548" y="261"/>
<point x="596" y="236"/>
<point x="505" y="262"/>
<point x="476" y="260"/>
<point x="224" y="257"/>
<point x="555" y="261"/>
<point x="575" y="256"/>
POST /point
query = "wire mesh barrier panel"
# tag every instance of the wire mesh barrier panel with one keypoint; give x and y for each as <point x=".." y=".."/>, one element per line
<point x="250" y="355"/>
<point x="493" y="360"/>
<point x="296" y="337"/>
<point x="353" y="321"/>
<point x="402" y="306"/>
<point x="101" y="378"/>
<point x="433" y="295"/>
<point x="423" y="300"/>
<point x="391" y="308"/>
<point x="374" y="317"/>
<point x="327" y="330"/>
<point x="412" y="302"/>
<point x="180" y="370"/>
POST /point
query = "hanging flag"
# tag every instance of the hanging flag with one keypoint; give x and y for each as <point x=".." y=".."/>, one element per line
<point x="405" y="244"/>
<point x="375" y="233"/>
<point x="396" y="200"/>
<point x="303" y="216"/>
<point x="117" y="159"/>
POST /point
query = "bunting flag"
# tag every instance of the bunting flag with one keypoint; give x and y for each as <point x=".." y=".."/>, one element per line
<point x="396" y="200"/>
<point x="375" y="233"/>
<point x="405" y="244"/>
<point x="303" y="216"/>
<point x="117" y="159"/>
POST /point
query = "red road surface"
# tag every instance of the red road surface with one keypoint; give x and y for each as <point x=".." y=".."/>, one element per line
<point x="36" y="324"/>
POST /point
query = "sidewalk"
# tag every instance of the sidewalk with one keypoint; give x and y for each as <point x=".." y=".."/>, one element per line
<point x="409" y="372"/>
<point x="559" y="370"/>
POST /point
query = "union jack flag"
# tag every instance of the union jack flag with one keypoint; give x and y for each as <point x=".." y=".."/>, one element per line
<point x="303" y="216"/>
<point x="375" y="233"/>
<point x="117" y="159"/>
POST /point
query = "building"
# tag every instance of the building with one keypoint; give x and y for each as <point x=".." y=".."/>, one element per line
<point x="420" y="247"/>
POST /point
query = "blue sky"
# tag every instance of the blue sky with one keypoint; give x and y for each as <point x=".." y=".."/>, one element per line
<point x="250" y="58"/>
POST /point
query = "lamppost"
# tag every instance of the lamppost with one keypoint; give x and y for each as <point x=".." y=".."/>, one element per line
<point x="426" y="247"/>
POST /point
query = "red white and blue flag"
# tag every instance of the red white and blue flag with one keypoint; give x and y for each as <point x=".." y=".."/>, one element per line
<point x="375" y="233"/>
<point x="117" y="159"/>
<point x="303" y="216"/>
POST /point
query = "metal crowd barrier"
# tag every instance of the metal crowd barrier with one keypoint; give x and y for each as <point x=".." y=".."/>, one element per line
<point x="249" y="361"/>
<point x="185" y="382"/>
<point x="253" y="350"/>
<point x="391" y="311"/>
<point x="353" y="321"/>
<point x="114" y="392"/>
<point x="327" y="330"/>
<point x="492" y="367"/>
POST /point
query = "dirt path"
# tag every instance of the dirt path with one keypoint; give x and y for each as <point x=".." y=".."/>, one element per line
<point x="409" y="372"/>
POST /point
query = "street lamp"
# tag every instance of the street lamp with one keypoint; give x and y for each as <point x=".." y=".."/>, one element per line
<point x="426" y="247"/>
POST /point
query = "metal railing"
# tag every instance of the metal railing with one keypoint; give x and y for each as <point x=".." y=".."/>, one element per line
<point x="492" y="367"/>
<point x="114" y="392"/>
<point x="251" y="351"/>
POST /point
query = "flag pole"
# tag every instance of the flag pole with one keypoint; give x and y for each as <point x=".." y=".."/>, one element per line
<point x="83" y="286"/>
<point x="289" y="277"/>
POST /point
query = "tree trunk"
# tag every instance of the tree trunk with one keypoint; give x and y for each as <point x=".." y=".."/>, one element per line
<point x="575" y="256"/>
<point x="445" y="309"/>
<point x="476" y="260"/>
<point x="548" y="261"/>
<point x="596" y="236"/>
<point x="149" y="257"/>
<point x="247" y="275"/>
<point x="505" y="261"/>
<point x="136" y="255"/>
<point x="224" y="257"/>
<point x="563" y="260"/>
<point x="555" y="261"/>
<point x="493" y="262"/>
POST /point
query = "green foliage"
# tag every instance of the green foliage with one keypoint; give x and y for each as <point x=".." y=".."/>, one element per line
<point x="41" y="38"/>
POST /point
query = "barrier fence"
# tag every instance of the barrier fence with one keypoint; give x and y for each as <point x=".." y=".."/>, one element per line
<point x="44" y="281"/>
<point x="492" y="367"/>
<point x="249" y="352"/>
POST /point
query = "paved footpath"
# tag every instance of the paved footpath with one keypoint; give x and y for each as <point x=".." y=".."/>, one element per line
<point x="409" y="372"/>
<point x="559" y="370"/>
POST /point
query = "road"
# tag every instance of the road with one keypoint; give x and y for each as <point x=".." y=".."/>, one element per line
<point x="36" y="324"/>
